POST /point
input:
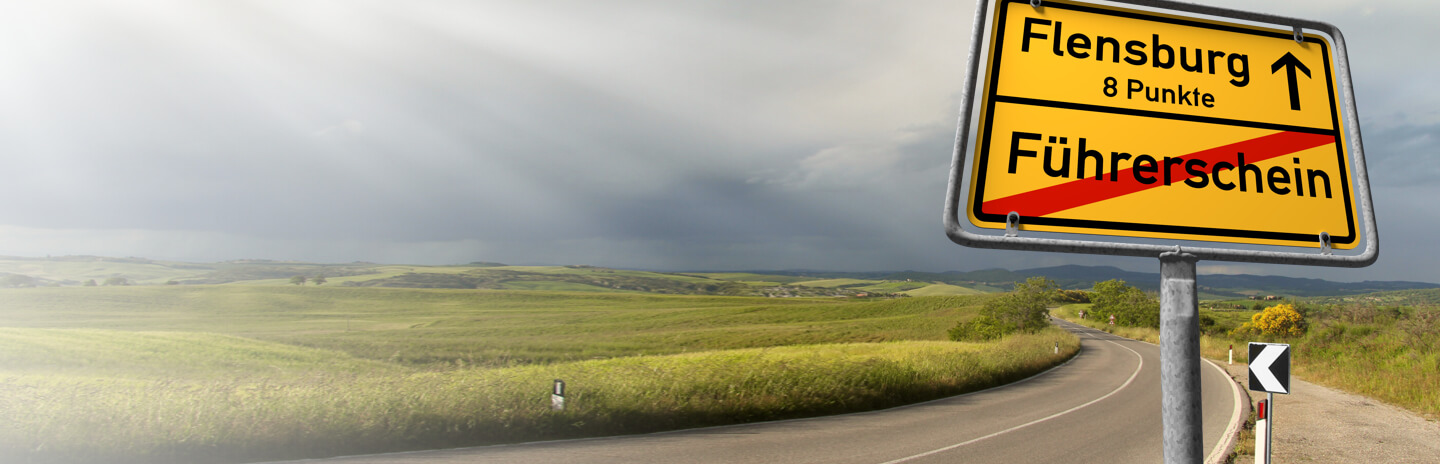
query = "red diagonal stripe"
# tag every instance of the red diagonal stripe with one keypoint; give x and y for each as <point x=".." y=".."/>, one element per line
<point x="1087" y="190"/>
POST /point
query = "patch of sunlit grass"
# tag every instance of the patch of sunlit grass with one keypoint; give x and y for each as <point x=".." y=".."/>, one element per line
<point x="82" y="395"/>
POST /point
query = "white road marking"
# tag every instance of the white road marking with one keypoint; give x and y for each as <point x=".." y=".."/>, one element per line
<point x="1037" y="421"/>
<point x="1216" y="455"/>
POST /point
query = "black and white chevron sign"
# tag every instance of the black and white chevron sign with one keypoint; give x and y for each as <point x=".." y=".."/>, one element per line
<point x="1270" y="367"/>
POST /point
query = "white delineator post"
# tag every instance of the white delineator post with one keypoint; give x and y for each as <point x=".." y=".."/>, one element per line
<point x="1232" y="355"/>
<point x="1262" y="434"/>
<point x="557" y="396"/>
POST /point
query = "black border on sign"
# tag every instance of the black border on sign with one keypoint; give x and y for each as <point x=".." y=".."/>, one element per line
<point x="983" y="138"/>
<point x="1280" y="368"/>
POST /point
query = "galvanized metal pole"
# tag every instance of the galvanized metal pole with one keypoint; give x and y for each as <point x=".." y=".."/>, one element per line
<point x="1269" y="425"/>
<point x="1180" y="359"/>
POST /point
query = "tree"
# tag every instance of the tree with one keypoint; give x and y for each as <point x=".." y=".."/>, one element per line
<point x="979" y="329"/>
<point x="319" y="279"/>
<point x="1131" y="306"/>
<point x="298" y="280"/>
<point x="1108" y="294"/>
<point x="1072" y="296"/>
<point x="1026" y="308"/>
<point x="1022" y="310"/>
<point x="17" y="281"/>
<point x="90" y="283"/>
<point x="116" y="281"/>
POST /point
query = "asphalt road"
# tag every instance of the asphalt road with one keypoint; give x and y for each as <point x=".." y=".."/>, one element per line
<point x="1101" y="406"/>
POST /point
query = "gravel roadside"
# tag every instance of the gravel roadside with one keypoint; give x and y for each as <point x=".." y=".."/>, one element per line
<point x="1318" y="424"/>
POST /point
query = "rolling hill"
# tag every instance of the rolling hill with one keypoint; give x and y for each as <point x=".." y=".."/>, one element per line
<point x="82" y="270"/>
<point x="1084" y="277"/>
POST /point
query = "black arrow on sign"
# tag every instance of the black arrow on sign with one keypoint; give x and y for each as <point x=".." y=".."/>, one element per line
<point x="1291" y="63"/>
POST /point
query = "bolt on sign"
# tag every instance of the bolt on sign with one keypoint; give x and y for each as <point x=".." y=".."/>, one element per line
<point x="1192" y="123"/>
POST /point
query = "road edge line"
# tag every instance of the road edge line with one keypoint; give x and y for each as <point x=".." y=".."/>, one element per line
<point x="1227" y="442"/>
<point x="1133" y="375"/>
<point x="1231" y="437"/>
<point x="705" y="428"/>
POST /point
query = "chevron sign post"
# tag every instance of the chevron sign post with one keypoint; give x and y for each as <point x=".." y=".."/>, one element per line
<point x="1270" y="367"/>
<point x="1270" y="373"/>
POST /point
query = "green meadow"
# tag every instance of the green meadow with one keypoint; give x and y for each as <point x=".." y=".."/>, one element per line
<point x="237" y="373"/>
<point x="1387" y="352"/>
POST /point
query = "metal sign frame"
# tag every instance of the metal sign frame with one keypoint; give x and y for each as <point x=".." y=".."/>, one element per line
<point x="1011" y="240"/>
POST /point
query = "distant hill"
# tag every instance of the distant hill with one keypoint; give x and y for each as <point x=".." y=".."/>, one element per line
<point x="998" y="277"/>
<point x="1425" y="297"/>
<point x="1083" y="277"/>
<point x="74" y="271"/>
<point x="81" y="270"/>
<point x="1238" y="285"/>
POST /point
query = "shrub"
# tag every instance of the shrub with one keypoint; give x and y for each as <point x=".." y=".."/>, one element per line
<point x="979" y="329"/>
<point x="17" y="281"/>
<point x="1364" y="313"/>
<point x="1281" y="319"/>
<point x="1072" y="296"/>
<point x="1023" y="310"/>
<point x="1131" y="306"/>
<point x="1420" y="329"/>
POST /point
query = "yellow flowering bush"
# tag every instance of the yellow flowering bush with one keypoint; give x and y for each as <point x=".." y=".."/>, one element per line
<point x="1281" y="319"/>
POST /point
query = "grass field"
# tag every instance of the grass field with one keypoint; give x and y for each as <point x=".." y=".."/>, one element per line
<point x="491" y="328"/>
<point x="832" y="283"/>
<point x="233" y="373"/>
<point x="138" y="271"/>
<point x="75" y="271"/>
<point x="895" y="287"/>
<point x="757" y="279"/>
<point x="1385" y="354"/>
<point x="942" y="289"/>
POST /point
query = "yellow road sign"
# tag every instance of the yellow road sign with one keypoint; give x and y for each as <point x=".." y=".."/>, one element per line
<point x="1112" y="120"/>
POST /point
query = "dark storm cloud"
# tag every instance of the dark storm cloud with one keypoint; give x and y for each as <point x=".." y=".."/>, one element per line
<point x="428" y="137"/>
<point x="674" y="135"/>
<point x="440" y="122"/>
<point x="1402" y="156"/>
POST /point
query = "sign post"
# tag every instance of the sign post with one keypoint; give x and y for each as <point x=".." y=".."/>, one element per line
<point x="1270" y="373"/>
<point x="1140" y="126"/>
<point x="1180" y="359"/>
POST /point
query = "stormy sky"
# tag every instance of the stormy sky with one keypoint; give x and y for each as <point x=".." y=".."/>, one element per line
<point x="668" y="135"/>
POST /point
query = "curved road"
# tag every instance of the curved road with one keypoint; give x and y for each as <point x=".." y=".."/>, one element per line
<point x="1101" y="406"/>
